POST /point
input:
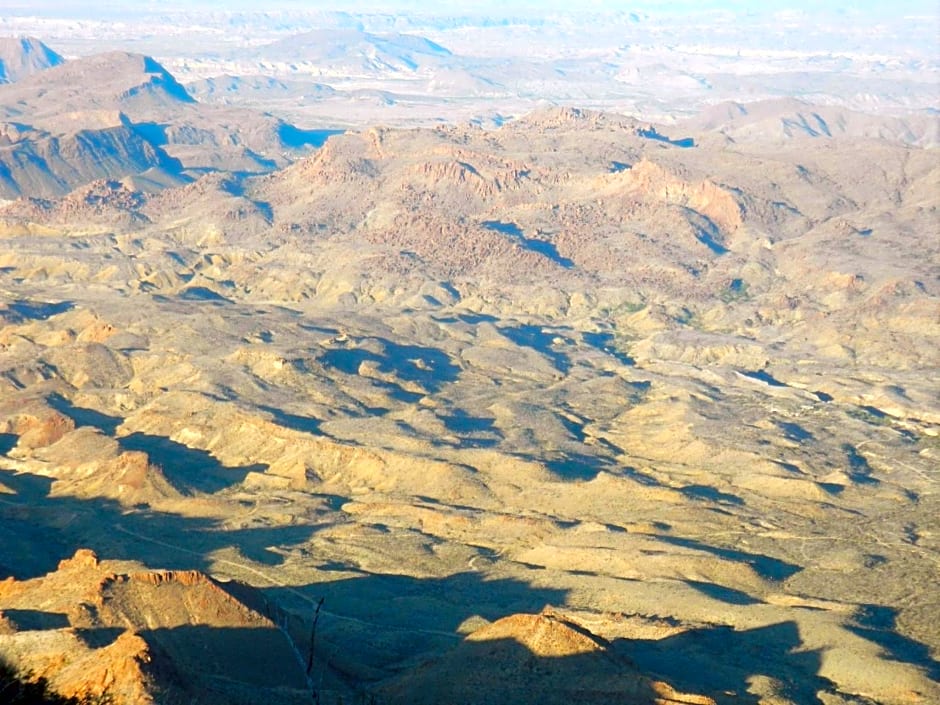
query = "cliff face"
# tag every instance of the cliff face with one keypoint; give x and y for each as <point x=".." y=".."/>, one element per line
<point x="717" y="204"/>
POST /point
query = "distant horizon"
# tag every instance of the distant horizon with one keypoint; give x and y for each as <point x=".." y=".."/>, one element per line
<point x="450" y="7"/>
<point x="659" y="59"/>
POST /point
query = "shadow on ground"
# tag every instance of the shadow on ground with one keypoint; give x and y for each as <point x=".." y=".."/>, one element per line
<point x="42" y="530"/>
<point x="376" y="631"/>
<point x="427" y="366"/>
<point x="189" y="470"/>
<point x="877" y="623"/>
<point x="540" y="247"/>
<point x="721" y="661"/>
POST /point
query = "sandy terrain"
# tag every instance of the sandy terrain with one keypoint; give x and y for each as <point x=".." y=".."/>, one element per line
<point x="570" y="407"/>
<point x="447" y="376"/>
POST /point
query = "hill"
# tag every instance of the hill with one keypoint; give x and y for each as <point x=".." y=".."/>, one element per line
<point x="116" y="630"/>
<point x="791" y="119"/>
<point x="353" y="52"/>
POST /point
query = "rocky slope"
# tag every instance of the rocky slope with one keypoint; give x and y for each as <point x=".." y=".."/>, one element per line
<point x="43" y="165"/>
<point x="681" y="389"/>
<point x="115" y="630"/>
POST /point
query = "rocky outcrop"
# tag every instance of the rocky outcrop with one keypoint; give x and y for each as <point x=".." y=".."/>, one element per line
<point x="34" y="423"/>
<point x="716" y="203"/>
<point x="95" y="628"/>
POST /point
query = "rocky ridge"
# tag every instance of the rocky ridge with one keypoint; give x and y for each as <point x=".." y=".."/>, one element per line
<point x="140" y="636"/>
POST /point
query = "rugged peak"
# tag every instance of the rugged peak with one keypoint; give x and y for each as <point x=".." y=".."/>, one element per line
<point x="91" y="628"/>
<point x="84" y="558"/>
<point x="559" y="117"/>
<point x="130" y="65"/>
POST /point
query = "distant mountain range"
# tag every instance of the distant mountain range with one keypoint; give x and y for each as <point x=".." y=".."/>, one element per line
<point x="352" y="50"/>
<point x="789" y="118"/>
<point x="121" y="115"/>
<point x="118" y="114"/>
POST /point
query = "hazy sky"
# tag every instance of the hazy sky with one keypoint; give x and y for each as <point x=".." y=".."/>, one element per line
<point x="75" y="7"/>
<point x="427" y="6"/>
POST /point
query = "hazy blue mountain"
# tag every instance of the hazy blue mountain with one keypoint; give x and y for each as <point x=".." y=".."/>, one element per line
<point x="23" y="56"/>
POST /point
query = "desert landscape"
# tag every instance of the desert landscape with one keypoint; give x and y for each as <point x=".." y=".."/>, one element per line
<point x="395" y="356"/>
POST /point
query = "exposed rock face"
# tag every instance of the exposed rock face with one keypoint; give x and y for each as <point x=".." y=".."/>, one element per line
<point x="118" y="670"/>
<point x="717" y="204"/>
<point x="145" y="636"/>
<point x="44" y="165"/>
<point x="36" y="430"/>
